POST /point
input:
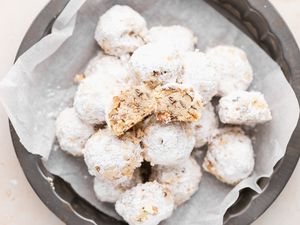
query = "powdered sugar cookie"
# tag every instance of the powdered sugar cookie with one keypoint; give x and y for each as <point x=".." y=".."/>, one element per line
<point x="110" y="191"/>
<point x="157" y="63"/>
<point x="182" y="179"/>
<point x="243" y="107"/>
<point x="200" y="74"/>
<point x="179" y="37"/>
<point x="110" y="158"/>
<point x="168" y="144"/>
<point x="71" y="132"/>
<point x="206" y="126"/>
<point x="120" y="30"/>
<point x="232" y="66"/>
<point x="145" y="204"/>
<point x="230" y="156"/>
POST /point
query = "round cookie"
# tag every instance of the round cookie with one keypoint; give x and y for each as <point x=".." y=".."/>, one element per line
<point x="109" y="191"/>
<point x="110" y="158"/>
<point x="105" y="79"/>
<point x="102" y="64"/>
<point x="182" y="180"/>
<point x="145" y="204"/>
<point x="206" y="126"/>
<point x="233" y="67"/>
<point x="230" y="156"/>
<point x="200" y="74"/>
<point x="243" y="107"/>
<point x="71" y="132"/>
<point x="179" y="37"/>
<point x="157" y="63"/>
<point x="168" y="144"/>
<point x="120" y="30"/>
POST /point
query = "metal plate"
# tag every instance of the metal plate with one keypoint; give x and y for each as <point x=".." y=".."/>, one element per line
<point x="259" y="20"/>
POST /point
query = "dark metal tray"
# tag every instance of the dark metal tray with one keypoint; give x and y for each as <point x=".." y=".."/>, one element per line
<point x="259" y="20"/>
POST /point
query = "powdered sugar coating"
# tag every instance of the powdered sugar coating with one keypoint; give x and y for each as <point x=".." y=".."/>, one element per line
<point x="206" y="126"/>
<point x="71" y="132"/>
<point x="102" y="63"/>
<point x="110" y="158"/>
<point x="232" y="66"/>
<point x="168" y="144"/>
<point x="230" y="156"/>
<point x="109" y="191"/>
<point x="93" y="64"/>
<point x="105" y="79"/>
<point x="145" y="204"/>
<point x="200" y="74"/>
<point x="157" y="63"/>
<point x="179" y="37"/>
<point x="243" y="107"/>
<point x="111" y="67"/>
<point x="120" y="30"/>
<point x="182" y="180"/>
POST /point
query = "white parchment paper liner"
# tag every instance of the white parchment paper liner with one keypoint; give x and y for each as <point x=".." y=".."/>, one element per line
<point x="40" y="85"/>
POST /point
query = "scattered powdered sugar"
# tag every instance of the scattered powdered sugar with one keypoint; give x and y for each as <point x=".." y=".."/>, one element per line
<point x="50" y="181"/>
<point x="14" y="182"/>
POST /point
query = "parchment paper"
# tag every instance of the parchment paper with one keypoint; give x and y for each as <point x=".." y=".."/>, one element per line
<point x="41" y="84"/>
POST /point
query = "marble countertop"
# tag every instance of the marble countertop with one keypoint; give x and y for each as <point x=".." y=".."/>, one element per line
<point x="20" y="205"/>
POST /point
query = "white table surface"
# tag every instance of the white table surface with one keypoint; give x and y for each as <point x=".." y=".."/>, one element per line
<point x="19" y="205"/>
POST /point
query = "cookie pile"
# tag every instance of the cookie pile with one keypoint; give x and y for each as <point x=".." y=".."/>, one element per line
<point x="151" y="96"/>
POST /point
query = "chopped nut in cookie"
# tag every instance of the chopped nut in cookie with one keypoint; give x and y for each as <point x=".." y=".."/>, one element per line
<point x="177" y="103"/>
<point x="130" y="107"/>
